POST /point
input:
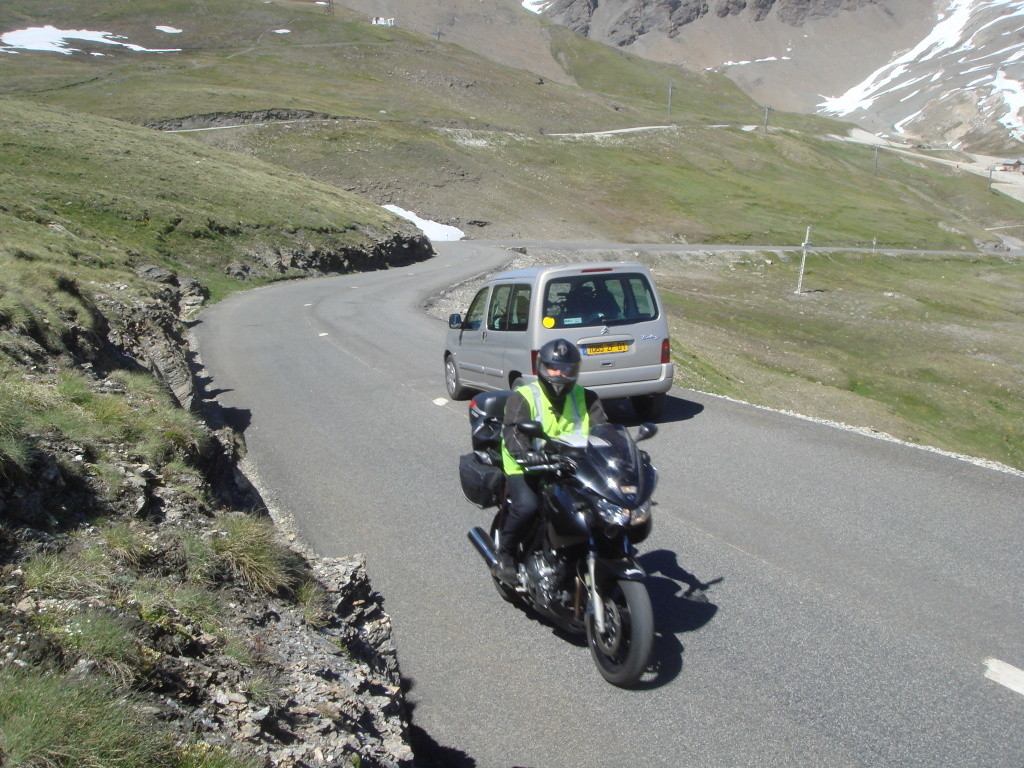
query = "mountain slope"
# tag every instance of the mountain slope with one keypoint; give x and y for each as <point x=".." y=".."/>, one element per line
<point x="962" y="84"/>
<point x="457" y="138"/>
<point x="945" y="71"/>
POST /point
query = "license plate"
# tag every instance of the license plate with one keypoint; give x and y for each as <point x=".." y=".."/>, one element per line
<point x="611" y="346"/>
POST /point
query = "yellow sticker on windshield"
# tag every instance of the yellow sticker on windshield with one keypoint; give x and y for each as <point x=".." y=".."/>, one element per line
<point x="549" y="322"/>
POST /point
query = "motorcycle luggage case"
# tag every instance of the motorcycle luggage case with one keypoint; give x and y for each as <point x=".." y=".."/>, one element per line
<point x="488" y="404"/>
<point x="481" y="482"/>
<point x="486" y="412"/>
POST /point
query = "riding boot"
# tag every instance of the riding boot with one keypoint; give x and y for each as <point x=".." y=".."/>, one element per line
<point x="506" y="569"/>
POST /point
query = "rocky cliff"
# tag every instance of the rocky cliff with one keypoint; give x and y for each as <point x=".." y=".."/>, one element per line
<point x="635" y="18"/>
<point x="942" y="72"/>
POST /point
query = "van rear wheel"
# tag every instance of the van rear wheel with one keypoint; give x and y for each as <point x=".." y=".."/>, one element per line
<point x="451" y="380"/>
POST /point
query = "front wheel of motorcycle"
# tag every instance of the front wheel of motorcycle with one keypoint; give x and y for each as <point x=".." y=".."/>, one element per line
<point x="622" y="650"/>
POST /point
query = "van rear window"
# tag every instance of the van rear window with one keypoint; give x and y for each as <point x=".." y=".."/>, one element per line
<point x="617" y="298"/>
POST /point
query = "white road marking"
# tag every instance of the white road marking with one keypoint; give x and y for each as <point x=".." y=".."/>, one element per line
<point x="324" y="334"/>
<point x="307" y="305"/>
<point x="440" y="401"/>
<point x="1005" y="674"/>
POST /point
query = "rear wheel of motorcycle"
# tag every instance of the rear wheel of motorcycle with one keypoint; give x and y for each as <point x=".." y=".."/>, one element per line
<point x="621" y="652"/>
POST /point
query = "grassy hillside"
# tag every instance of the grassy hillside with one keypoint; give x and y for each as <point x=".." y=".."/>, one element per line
<point x="85" y="201"/>
<point x="405" y="102"/>
<point x="692" y="184"/>
<point x="926" y="348"/>
<point x="233" y="59"/>
<point x="85" y="192"/>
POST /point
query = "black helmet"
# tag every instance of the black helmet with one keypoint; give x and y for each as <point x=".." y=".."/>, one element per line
<point x="558" y="367"/>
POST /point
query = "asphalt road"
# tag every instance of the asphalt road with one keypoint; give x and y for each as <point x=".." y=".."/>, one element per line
<point x="858" y="587"/>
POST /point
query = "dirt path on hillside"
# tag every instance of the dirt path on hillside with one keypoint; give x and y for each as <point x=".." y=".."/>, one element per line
<point x="1010" y="183"/>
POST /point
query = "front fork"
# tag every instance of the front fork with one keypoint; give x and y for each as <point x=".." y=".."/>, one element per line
<point x="596" y="603"/>
<point x="625" y="568"/>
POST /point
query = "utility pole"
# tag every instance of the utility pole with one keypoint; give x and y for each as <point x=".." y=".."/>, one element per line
<point x="803" y="260"/>
<point x="766" y="111"/>
<point x="671" y="85"/>
<point x="876" y="160"/>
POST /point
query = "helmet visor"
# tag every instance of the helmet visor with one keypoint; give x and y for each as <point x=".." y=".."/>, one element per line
<point x="570" y="371"/>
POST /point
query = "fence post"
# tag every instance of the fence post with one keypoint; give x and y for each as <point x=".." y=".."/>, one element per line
<point x="803" y="260"/>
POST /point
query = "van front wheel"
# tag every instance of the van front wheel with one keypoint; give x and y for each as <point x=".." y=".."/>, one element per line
<point x="451" y="380"/>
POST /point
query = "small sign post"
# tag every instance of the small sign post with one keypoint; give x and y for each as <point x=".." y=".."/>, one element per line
<point x="803" y="260"/>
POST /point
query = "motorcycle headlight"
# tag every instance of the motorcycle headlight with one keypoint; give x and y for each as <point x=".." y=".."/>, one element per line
<point x="641" y="514"/>
<point x="612" y="514"/>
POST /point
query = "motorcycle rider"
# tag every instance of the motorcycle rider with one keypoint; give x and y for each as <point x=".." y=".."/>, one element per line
<point x="562" y="406"/>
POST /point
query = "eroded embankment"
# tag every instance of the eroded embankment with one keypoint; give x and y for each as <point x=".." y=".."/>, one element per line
<point x="228" y="636"/>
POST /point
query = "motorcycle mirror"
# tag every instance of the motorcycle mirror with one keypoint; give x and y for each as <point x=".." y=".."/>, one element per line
<point x="532" y="429"/>
<point x="646" y="431"/>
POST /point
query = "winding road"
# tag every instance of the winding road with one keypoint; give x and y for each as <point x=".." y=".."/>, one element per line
<point x="822" y="598"/>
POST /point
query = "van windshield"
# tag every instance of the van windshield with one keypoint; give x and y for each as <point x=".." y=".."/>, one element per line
<point x="616" y="298"/>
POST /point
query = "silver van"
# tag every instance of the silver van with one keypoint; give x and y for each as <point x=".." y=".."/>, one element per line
<point x="610" y="310"/>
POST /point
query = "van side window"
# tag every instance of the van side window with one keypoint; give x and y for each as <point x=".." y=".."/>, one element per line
<point x="497" y="315"/>
<point x="642" y="298"/>
<point x="519" y="308"/>
<point x="475" y="314"/>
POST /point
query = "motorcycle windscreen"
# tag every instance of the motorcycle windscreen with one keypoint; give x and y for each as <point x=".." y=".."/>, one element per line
<point x="609" y="465"/>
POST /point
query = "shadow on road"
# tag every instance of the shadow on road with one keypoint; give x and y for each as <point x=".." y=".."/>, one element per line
<point x="428" y="753"/>
<point x="676" y="409"/>
<point x="681" y="604"/>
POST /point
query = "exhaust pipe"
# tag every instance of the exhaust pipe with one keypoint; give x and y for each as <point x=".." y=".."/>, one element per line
<point x="483" y="545"/>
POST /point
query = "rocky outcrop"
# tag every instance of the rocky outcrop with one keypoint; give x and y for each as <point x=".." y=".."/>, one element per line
<point x="271" y="261"/>
<point x="224" y="119"/>
<point x="636" y="18"/>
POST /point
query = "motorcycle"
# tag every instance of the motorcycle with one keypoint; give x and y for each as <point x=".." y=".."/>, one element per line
<point x="577" y="565"/>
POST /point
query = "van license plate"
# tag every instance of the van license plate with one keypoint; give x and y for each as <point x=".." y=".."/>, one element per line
<point x="600" y="349"/>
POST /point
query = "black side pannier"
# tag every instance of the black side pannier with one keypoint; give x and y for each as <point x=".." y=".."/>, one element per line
<point x="482" y="483"/>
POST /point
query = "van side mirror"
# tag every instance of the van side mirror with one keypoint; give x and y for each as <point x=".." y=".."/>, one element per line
<point x="646" y="432"/>
<point x="455" y="321"/>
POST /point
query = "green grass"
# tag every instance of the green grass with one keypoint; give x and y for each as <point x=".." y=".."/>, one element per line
<point x="692" y="184"/>
<point x="926" y="348"/>
<point x="248" y="547"/>
<point x="69" y="574"/>
<point x="142" y="419"/>
<point x="104" y="194"/>
<point x="55" y="720"/>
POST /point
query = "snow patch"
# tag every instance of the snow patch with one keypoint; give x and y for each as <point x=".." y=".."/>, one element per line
<point x="54" y="40"/>
<point x="536" y="6"/>
<point x="168" y="30"/>
<point x="431" y="229"/>
<point x="751" y="61"/>
<point x="1012" y="93"/>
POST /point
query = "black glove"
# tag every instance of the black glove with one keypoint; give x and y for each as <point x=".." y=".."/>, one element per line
<point x="533" y="459"/>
